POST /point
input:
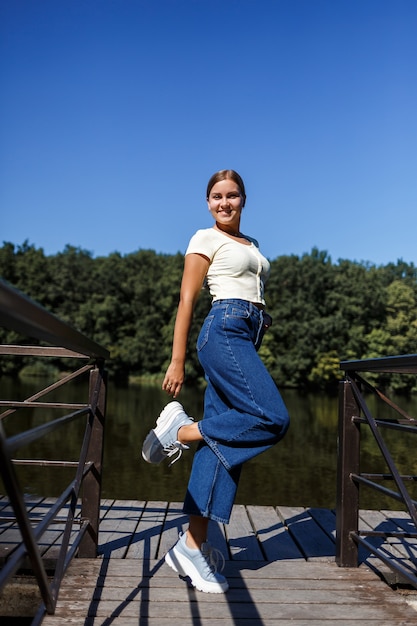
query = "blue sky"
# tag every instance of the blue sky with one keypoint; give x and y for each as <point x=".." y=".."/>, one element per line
<point x="114" y="114"/>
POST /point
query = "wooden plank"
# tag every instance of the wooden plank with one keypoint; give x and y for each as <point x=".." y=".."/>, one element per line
<point x="191" y="621"/>
<point x="277" y="543"/>
<point x="4" y="508"/>
<point x="176" y="522"/>
<point x="217" y="538"/>
<point x="289" y="595"/>
<point x="118" y="526"/>
<point x="243" y="544"/>
<point x="161" y="579"/>
<point x="352" y="598"/>
<point x="314" y="543"/>
<point x="105" y="506"/>
<point x="241" y="569"/>
<point x="145" y="539"/>
<point x="326" y="519"/>
<point x="250" y="574"/>
<point x="284" y="612"/>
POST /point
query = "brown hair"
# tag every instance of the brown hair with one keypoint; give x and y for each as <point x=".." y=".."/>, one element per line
<point x="224" y="175"/>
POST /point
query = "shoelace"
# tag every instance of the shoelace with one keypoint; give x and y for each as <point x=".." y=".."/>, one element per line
<point x="213" y="556"/>
<point x="175" y="448"/>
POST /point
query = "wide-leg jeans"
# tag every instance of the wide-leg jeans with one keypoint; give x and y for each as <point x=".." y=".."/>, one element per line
<point x="244" y="413"/>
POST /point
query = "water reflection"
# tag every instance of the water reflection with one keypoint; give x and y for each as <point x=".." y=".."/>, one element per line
<point x="299" y="471"/>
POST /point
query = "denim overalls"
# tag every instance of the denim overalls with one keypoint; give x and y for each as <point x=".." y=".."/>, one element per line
<point x="244" y="413"/>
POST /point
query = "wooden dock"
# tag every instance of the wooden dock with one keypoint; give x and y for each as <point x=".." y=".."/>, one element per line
<point x="280" y="564"/>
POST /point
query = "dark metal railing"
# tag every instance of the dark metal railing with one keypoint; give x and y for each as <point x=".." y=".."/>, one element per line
<point x="20" y="314"/>
<point x="353" y="414"/>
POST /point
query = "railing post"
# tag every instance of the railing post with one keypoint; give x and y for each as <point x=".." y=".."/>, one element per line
<point x="348" y="454"/>
<point x="91" y="496"/>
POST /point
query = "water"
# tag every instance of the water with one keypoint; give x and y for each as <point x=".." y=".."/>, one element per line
<point x="299" y="471"/>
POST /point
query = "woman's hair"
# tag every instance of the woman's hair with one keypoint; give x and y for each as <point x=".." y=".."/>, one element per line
<point x="224" y="175"/>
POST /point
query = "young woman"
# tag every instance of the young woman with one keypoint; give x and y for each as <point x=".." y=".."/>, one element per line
<point x="244" y="413"/>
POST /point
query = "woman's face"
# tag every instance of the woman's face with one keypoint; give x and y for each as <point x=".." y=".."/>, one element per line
<point x="225" y="203"/>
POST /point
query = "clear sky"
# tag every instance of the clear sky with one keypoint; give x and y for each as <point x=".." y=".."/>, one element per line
<point x="114" y="114"/>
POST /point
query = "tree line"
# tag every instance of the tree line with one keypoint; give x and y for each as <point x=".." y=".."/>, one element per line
<point x="323" y="312"/>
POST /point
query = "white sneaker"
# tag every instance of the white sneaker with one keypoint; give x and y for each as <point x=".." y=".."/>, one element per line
<point x="200" y="566"/>
<point x="161" y="442"/>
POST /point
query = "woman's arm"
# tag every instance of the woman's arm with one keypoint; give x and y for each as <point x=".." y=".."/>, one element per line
<point x="195" y="270"/>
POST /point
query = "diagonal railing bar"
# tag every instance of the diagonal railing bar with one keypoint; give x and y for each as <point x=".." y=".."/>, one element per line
<point x="384" y="450"/>
<point x="37" y="520"/>
<point x="48" y="351"/>
<point x="394" y="406"/>
<point x="360" y="478"/>
<point x="382" y="533"/>
<point x="59" y="383"/>
<point x="384" y="398"/>
<point x="43" y="462"/>
<point x="389" y="424"/>
<point x="24" y="404"/>
<point x="29" y="436"/>
<point x="387" y="559"/>
<point x="388" y="476"/>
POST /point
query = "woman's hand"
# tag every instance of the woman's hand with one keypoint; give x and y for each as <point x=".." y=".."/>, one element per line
<point x="174" y="379"/>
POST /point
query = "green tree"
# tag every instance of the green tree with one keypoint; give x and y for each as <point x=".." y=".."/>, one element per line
<point x="323" y="312"/>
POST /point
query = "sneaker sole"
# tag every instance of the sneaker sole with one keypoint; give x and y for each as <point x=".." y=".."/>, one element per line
<point x="195" y="578"/>
<point x="150" y="437"/>
<point x="168" y="419"/>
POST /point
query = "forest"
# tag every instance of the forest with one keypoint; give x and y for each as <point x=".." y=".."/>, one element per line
<point x="323" y="311"/>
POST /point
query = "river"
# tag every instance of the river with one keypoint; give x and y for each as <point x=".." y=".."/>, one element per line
<point x="299" y="471"/>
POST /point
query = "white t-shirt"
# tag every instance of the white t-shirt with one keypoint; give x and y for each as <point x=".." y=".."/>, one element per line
<point x="236" y="270"/>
